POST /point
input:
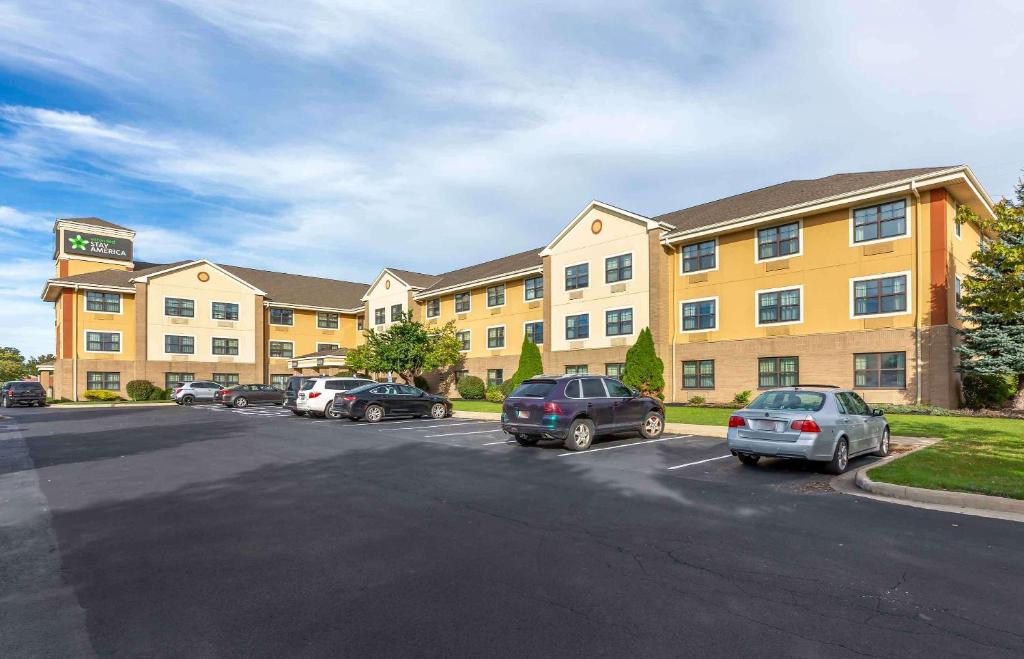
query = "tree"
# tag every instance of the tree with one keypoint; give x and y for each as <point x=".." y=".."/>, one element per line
<point x="530" y="364"/>
<point x="992" y="302"/>
<point x="12" y="364"/>
<point x="644" y="369"/>
<point x="34" y="362"/>
<point x="408" y="349"/>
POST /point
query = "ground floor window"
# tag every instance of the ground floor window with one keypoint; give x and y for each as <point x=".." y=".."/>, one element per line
<point x="281" y="349"/>
<point x="103" y="380"/>
<point x="699" y="374"/>
<point x="174" y="379"/>
<point x="576" y="369"/>
<point x="495" y="376"/>
<point x="778" y="372"/>
<point x="615" y="369"/>
<point x="226" y="379"/>
<point x="279" y="380"/>
<point x="461" y="374"/>
<point x="880" y="370"/>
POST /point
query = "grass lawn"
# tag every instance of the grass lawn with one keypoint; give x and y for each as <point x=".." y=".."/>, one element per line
<point x="984" y="456"/>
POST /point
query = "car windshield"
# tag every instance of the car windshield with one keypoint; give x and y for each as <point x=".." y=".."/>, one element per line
<point x="534" y="389"/>
<point x="794" y="401"/>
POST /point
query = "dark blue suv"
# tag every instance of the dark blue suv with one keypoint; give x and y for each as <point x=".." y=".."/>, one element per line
<point x="577" y="408"/>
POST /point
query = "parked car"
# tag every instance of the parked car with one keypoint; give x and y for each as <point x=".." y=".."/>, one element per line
<point x="243" y="395"/>
<point x="189" y="392"/>
<point x="19" y="392"/>
<point x="819" y="423"/>
<point x="578" y="408"/>
<point x="291" y="392"/>
<point x="317" y="396"/>
<point x="378" y="401"/>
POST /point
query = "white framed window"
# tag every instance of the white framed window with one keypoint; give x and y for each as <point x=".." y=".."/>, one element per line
<point x="464" y="338"/>
<point x="282" y="349"/>
<point x="533" y="288"/>
<point x="225" y="346"/>
<point x="577" y="327"/>
<point x="224" y="311"/>
<point x="396" y="313"/>
<point x="779" y="306"/>
<point x="534" y="331"/>
<point x="495" y="376"/>
<point x="781" y="241"/>
<point x="886" y="221"/>
<point x="699" y="315"/>
<point x="103" y="302"/>
<point x="98" y="341"/>
<point x="434" y="307"/>
<point x="618" y="268"/>
<point x="577" y="276"/>
<point x="880" y="295"/>
<point x="226" y="379"/>
<point x="496" y="337"/>
<point x="618" y="322"/>
<point x="326" y="346"/>
<point x="698" y="257"/>
<point x="103" y="380"/>
<point x="463" y="302"/>
<point x="496" y="295"/>
<point x="327" y="320"/>
<point x="179" y="344"/>
<point x="279" y="316"/>
<point x="378" y="316"/>
<point x="179" y="307"/>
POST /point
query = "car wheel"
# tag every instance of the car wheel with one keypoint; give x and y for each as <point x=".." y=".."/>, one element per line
<point x="241" y="402"/>
<point x="581" y="435"/>
<point x="883" y="445"/>
<point x="438" y="411"/>
<point x="749" y="460"/>
<point x="332" y="413"/>
<point x="840" y="458"/>
<point x="188" y="400"/>
<point x="298" y="413"/>
<point x="652" y="426"/>
<point x="177" y="402"/>
<point x="373" y="413"/>
<point x="527" y="440"/>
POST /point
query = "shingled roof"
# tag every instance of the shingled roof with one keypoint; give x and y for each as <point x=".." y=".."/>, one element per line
<point x="504" y="265"/>
<point x="94" y="221"/>
<point x="414" y="279"/>
<point x="784" y="195"/>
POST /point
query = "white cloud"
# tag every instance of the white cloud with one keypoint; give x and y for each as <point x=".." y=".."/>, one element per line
<point x="14" y="221"/>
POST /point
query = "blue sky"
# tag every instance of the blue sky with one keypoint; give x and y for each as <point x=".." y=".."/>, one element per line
<point x="334" y="138"/>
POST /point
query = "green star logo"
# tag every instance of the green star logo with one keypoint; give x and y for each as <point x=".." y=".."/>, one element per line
<point x="78" y="242"/>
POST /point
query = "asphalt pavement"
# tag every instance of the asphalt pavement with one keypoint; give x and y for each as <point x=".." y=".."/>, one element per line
<point x="211" y="532"/>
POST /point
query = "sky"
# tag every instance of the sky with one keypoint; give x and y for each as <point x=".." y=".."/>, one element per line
<point x="335" y="138"/>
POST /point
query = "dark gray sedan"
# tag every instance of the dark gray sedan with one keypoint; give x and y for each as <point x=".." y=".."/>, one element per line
<point x="243" y="395"/>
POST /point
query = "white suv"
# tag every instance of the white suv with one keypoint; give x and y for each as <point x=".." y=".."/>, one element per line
<point x="317" y="395"/>
<point x="187" y="393"/>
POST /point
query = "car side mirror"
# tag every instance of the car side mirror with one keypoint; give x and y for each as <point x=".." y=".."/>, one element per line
<point x="877" y="412"/>
<point x="634" y="393"/>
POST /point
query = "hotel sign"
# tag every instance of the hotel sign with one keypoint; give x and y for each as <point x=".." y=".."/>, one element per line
<point x="78" y="243"/>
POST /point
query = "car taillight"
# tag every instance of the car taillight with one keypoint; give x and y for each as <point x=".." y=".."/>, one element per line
<point x="349" y="398"/>
<point x="737" y="422"/>
<point x="314" y="394"/>
<point x="552" y="408"/>
<point x="178" y="390"/>
<point x="805" y="425"/>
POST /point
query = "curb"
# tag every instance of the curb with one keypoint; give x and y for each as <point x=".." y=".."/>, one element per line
<point x="965" y="501"/>
<point x="103" y="406"/>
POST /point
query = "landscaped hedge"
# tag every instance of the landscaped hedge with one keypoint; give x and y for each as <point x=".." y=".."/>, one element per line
<point x="471" y="387"/>
<point x="99" y="394"/>
<point x="494" y="394"/>
<point x="140" y="389"/>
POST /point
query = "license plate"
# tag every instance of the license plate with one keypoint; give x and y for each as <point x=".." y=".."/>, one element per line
<point x="522" y="414"/>
<point x="770" y="426"/>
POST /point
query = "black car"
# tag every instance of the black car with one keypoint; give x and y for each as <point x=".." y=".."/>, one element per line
<point x="377" y="401"/>
<point x="22" y="393"/>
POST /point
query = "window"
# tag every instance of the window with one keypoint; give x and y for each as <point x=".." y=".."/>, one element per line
<point x="225" y="311"/>
<point x="496" y="295"/>
<point x="880" y="222"/>
<point x="281" y="316"/>
<point x="103" y="302"/>
<point x="226" y="379"/>
<point x="279" y="380"/>
<point x="615" y="369"/>
<point x="699" y="256"/>
<point x="958" y="228"/>
<point x="495" y="376"/>
<point x="496" y="337"/>
<point x="853" y="404"/>
<point x="778" y="307"/>
<point x="534" y="332"/>
<point x="461" y="373"/>
<point x="533" y="288"/>
<point x="461" y="302"/>
<point x="699" y="374"/>
<point x="103" y="341"/>
<point x="618" y="268"/>
<point x="957" y="283"/>
<point x="593" y="388"/>
<point x="797" y="401"/>
<point x="103" y="380"/>
<point x="360" y="323"/>
<point x="378" y="316"/>
<point x="281" y="349"/>
<point x="463" y="338"/>
<point x="326" y="320"/>
<point x="225" y="346"/>
<point x="172" y="380"/>
<point x="617" y="389"/>
<point x="179" y="345"/>
<point x="176" y="306"/>
<point x="778" y="372"/>
<point x="577" y="276"/>
<point x="777" y="242"/>
<point x="618" y="322"/>
<point x="880" y="296"/>
<point x="880" y="370"/>
<point x="577" y="327"/>
<point x="700" y="315"/>
<point x="576" y="369"/>
<point x="320" y="347"/>
<point x="396" y="313"/>
<point x="434" y="308"/>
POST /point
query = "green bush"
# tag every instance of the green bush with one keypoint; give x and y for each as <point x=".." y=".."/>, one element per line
<point x="987" y="391"/>
<point x="645" y="371"/>
<point x="742" y="398"/>
<point x="507" y="387"/>
<point x="139" y="389"/>
<point x="421" y="383"/>
<point x="159" y="394"/>
<point x="697" y="400"/>
<point x="471" y="387"/>
<point x="494" y="394"/>
<point x="530" y="365"/>
<point x="99" y="394"/>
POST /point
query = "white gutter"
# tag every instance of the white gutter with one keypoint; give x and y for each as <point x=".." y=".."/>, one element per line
<point x="476" y="283"/>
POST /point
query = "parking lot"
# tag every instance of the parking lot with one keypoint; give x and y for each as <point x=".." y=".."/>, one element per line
<point x="209" y="531"/>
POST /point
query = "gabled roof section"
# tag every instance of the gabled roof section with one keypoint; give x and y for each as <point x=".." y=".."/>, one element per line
<point x="303" y="290"/>
<point x="482" y="272"/>
<point x="408" y="278"/>
<point x="648" y="222"/>
<point x="785" y="195"/>
<point x="93" y="221"/>
<point x="189" y="264"/>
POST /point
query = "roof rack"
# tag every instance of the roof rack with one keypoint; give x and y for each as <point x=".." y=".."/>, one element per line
<point x="823" y="386"/>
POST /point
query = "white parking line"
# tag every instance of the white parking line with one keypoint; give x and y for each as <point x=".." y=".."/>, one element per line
<point x="700" y="462"/>
<point x="454" y="434"/>
<point x="612" y="448"/>
<point x="504" y="441"/>
<point x="438" y="425"/>
<point x="393" y="423"/>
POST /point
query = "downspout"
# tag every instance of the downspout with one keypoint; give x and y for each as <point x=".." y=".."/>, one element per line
<point x="74" y="344"/>
<point x="917" y="291"/>
<point x="672" y="323"/>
